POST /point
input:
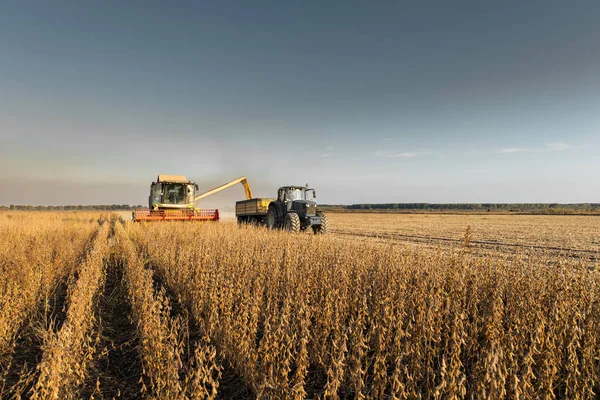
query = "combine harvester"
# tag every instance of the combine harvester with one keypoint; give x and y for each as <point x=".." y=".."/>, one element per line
<point x="173" y="198"/>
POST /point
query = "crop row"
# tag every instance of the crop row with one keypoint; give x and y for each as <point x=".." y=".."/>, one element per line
<point x="35" y="257"/>
<point x="161" y="338"/>
<point x="68" y="352"/>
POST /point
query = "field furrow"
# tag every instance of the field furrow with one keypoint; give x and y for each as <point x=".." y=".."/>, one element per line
<point x="117" y="369"/>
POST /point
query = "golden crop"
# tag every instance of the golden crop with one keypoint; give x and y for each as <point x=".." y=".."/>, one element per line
<point x="36" y="257"/>
<point x="67" y="352"/>
<point x="221" y="311"/>
<point x="160" y="335"/>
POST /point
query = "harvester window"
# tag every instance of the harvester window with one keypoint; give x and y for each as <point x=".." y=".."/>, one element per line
<point x="156" y="193"/>
<point x="190" y="194"/>
<point x="174" y="194"/>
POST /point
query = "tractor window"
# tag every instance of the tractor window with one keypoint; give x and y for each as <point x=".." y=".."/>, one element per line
<point x="294" y="194"/>
<point x="174" y="194"/>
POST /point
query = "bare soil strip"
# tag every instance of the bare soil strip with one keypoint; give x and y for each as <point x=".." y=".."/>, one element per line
<point x="118" y="369"/>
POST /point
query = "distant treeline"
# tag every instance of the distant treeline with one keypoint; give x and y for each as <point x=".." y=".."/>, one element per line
<point x="535" y="208"/>
<point x="105" y="207"/>
<point x="546" y="208"/>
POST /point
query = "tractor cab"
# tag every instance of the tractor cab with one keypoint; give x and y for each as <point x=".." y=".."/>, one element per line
<point x="296" y="193"/>
<point x="298" y="199"/>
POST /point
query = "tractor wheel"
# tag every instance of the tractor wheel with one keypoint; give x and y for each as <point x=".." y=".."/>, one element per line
<point x="324" y="227"/>
<point x="292" y="222"/>
<point x="272" y="220"/>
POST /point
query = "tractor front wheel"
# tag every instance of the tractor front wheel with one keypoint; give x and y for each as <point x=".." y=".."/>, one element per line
<point x="292" y="222"/>
<point x="324" y="227"/>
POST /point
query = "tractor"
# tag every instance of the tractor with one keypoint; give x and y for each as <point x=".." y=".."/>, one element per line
<point x="295" y="210"/>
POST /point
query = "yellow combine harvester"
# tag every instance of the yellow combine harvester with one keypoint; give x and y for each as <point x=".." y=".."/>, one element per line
<point x="173" y="198"/>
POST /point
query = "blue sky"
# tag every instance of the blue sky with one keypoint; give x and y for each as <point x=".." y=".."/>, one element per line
<point x="463" y="101"/>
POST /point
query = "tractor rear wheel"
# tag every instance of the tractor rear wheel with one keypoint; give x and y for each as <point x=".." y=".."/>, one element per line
<point x="324" y="227"/>
<point x="271" y="221"/>
<point x="292" y="222"/>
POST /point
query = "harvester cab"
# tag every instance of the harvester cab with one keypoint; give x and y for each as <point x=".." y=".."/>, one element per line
<point x="172" y="192"/>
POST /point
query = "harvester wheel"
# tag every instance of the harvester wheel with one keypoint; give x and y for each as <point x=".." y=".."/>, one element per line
<point x="292" y="222"/>
<point x="324" y="227"/>
<point x="271" y="221"/>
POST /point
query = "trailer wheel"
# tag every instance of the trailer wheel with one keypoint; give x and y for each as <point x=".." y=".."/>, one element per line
<point x="324" y="227"/>
<point x="253" y="221"/>
<point x="292" y="222"/>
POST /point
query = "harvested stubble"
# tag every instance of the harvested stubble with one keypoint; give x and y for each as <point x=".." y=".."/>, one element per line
<point x="305" y="316"/>
<point x="161" y="337"/>
<point x="68" y="352"/>
<point x="579" y="233"/>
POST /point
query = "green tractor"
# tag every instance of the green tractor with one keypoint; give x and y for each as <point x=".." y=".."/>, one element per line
<point x="295" y="210"/>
